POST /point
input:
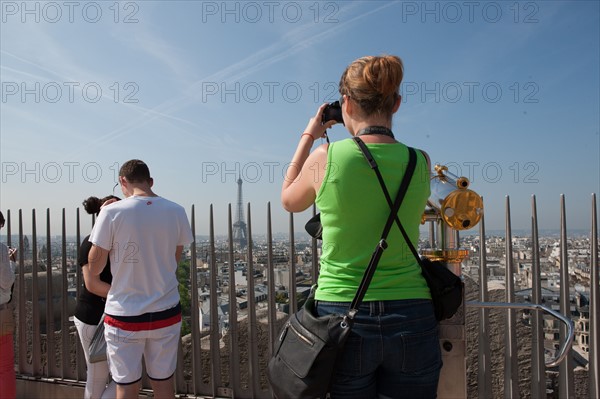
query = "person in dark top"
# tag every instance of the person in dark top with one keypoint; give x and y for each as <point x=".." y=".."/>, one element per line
<point x="89" y="310"/>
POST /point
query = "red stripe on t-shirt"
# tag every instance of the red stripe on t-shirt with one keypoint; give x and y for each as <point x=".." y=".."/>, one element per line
<point x="149" y="325"/>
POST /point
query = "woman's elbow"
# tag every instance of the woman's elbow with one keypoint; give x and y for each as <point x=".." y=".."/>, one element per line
<point x="287" y="205"/>
<point x="297" y="202"/>
<point x="93" y="288"/>
<point x="291" y="205"/>
<point x="89" y="286"/>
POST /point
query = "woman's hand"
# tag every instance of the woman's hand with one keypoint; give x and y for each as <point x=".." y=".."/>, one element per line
<point x="315" y="128"/>
<point x="305" y="174"/>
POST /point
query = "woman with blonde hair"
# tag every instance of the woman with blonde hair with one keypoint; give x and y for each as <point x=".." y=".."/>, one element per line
<point x="393" y="349"/>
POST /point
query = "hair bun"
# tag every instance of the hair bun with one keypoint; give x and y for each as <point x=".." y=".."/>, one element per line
<point x="384" y="74"/>
<point x="92" y="205"/>
<point x="374" y="83"/>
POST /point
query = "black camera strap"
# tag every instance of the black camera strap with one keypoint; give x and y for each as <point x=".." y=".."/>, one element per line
<point x="376" y="130"/>
<point x="373" y="165"/>
<point x="395" y="206"/>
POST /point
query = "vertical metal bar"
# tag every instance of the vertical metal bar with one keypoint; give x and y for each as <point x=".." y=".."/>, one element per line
<point x="292" y="288"/>
<point x="565" y="368"/>
<point x="450" y="242"/>
<point x="456" y="237"/>
<point x="180" y="384"/>
<point x="50" y="349"/>
<point x="23" y="325"/>
<point x="235" y="360"/>
<point x="272" y="320"/>
<point x="484" y="376"/>
<point x="314" y="249"/>
<point x="195" y="319"/>
<point x="538" y="367"/>
<point x="181" y="387"/>
<point x="214" y="315"/>
<point x="252" y="326"/>
<point x="234" y="349"/>
<point x="594" y="364"/>
<point x="8" y="229"/>
<point x="67" y="371"/>
<point x="79" y="283"/>
<point x="432" y="243"/>
<point x="35" y="302"/>
<point x="511" y="371"/>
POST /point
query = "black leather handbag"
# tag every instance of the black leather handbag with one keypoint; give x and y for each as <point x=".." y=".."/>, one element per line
<point x="304" y="357"/>
<point x="446" y="287"/>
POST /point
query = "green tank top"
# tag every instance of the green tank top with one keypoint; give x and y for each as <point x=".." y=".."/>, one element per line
<point x="353" y="213"/>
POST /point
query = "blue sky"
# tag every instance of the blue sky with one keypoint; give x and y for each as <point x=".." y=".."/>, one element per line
<point x="505" y="93"/>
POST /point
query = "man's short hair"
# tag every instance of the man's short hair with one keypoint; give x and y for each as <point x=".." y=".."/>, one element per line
<point x="1" y="220"/>
<point x="135" y="171"/>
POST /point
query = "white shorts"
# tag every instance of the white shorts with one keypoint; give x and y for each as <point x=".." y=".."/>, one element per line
<point x="125" y="349"/>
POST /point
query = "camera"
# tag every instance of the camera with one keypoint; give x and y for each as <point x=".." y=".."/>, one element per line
<point x="333" y="111"/>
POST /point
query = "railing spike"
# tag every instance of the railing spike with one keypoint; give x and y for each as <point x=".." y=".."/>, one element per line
<point x="594" y="364"/>
<point x="511" y="375"/>
<point x="538" y="370"/>
<point x="566" y="367"/>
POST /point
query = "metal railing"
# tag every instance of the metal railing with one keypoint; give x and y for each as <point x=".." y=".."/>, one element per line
<point x="231" y="362"/>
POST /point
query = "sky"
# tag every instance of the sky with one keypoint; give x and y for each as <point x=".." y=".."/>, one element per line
<point x="505" y="93"/>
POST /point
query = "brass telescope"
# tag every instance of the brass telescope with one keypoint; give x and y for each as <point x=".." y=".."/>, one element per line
<point x="458" y="206"/>
<point x="452" y="207"/>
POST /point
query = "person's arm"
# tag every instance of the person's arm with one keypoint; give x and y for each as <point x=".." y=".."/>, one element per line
<point x="100" y="236"/>
<point x="178" y="251"/>
<point x="7" y="270"/>
<point x="305" y="172"/>
<point x="93" y="283"/>
<point x="97" y="259"/>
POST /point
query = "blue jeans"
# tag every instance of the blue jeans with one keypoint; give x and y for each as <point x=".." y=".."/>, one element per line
<point x="393" y="351"/>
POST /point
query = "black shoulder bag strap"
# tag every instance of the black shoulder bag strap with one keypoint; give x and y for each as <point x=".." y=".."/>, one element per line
<point x="373" y="164"/>
<point x="382" y="244"/>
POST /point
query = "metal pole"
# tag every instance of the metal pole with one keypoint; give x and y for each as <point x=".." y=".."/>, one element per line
<point x="214" y="314"/>
<point x="271" y="284"/>
<point x="594" y="367"/>
<point x="538" y="372"/>
<point x="292" y="285"/>
<point x="511" y="370"/>
<point x="484" y="375"/>
<point x="566" y="368"/>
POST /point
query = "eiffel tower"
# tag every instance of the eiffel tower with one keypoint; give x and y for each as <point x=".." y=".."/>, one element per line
<point x="239" y="227"/>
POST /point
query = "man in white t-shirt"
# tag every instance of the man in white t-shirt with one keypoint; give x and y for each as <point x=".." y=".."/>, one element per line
<point x="144" y="235"/>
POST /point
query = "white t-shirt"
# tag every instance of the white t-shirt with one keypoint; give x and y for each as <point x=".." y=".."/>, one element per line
<point x="142" y="234"/>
